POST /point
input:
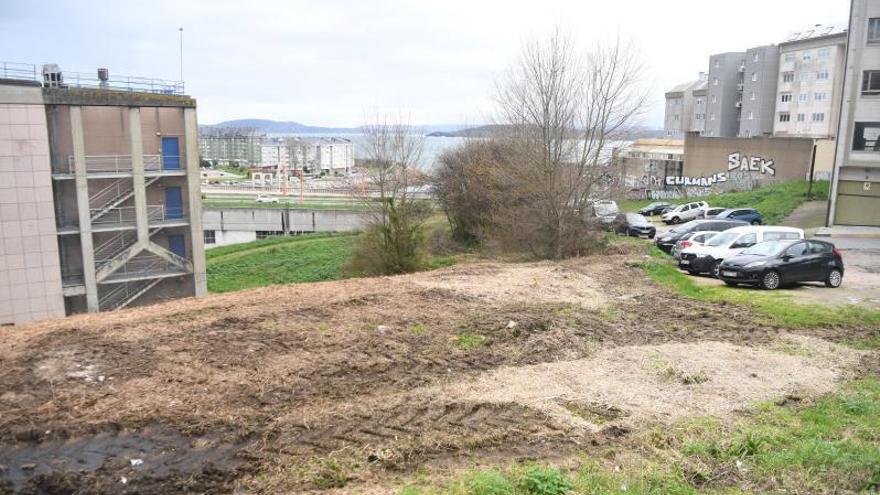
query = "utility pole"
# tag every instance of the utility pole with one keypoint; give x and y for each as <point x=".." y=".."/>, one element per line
<point x="812" y="171"/>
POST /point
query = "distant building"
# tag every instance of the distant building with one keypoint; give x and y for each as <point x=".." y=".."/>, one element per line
<point x="684" y="109"/>
<point x="724" y="91"/>
<point x="855" y="189"/>
<point x="810" y="82"/>
<point x="231" y="146"/>
<point x="275" y="153"/>
<point x="758" y="98"/>
<point x="327" y="155"/>
<point x="99" y="193"/>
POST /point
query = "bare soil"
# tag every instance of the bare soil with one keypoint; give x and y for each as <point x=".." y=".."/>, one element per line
<point x="351" y="385"/>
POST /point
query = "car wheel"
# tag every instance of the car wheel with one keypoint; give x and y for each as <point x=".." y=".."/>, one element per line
<point x="834" y="278"/>
<point x="730" y="283"/>
<point x="651" y="236"/>
<point x="771" y="280"/>
<point x="756" y="222"/>
<point x="716" y="269"/>
<point x="676" y="220"/>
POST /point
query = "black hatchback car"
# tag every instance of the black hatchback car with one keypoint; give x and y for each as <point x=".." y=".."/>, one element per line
<point x="772" y="264"/>
<point x="667" y="240"/>
<point x="634" y="225"/>
<point x="655" y="209"/>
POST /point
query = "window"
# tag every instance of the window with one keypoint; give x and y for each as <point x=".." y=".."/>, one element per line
<point x="807" y="56"/>
<point x="822" y="75"/>
<point x="675" y="117"/>
<point x="787" y="77"/>
<point x="717" y="64"/>
<point x="801" y="117"/>
<point x="210" y="237"/>
<point x="784" y="117"/>
<point x="714" y="99"/>
<point x="752" y="96"/>
<point x="751" y="116"/>
<point x="871" y="82"/>
<point x="803" y="97"/>
<point x="820" y="96"/>
<point x="755" y="57"/>
<point x="789" y="57"/>
<point x="754" y="76"/>
<point x="866" y="136"/>
<point x="778" y="236"/>
<point x="785" y="98"/>
<point x="712" y="116"/>
<point x="798" y="249"/>
<point x="818" y="117"/>
<point x="819" y="247"/>
<point x="715" y="80"/>
<point x="746" y="240"/>
<point x="823" y="52"/>
<point x="874" y="29"/>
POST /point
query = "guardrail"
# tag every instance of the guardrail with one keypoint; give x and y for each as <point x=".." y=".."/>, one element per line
<point x="125" y="215"/>
<point x="114" y="163"/>
<point x="71" y="79"/>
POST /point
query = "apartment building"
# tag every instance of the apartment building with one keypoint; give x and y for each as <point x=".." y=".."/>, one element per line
<point x="759" y="69"/>
<point x="855" y="189"/>
<point x="275" y="153"/>
<point x="99" y="193"/>
<point x="231" y="146"/>
<point x="684" y="108"/>
<point x="322" y="155"/>
<point x="809" y="85"/>
<point x="724" y="92"/>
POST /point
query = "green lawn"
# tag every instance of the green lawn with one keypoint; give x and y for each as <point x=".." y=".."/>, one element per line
<point x="828" y="446"/>
<point x="279" y="260"/>
<point x="774" y="202"/>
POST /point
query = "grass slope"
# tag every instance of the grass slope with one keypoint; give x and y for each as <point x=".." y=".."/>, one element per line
<point x="279" y="260"/>
<point x="774" y="202"/>
<point x="828" y="446"/>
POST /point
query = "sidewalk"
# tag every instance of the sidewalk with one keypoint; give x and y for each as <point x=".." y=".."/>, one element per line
<point x="842" y="231"/>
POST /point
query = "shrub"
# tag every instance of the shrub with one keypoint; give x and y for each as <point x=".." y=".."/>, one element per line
<point x="545" y="481"/>
<point x="488" y="483"/>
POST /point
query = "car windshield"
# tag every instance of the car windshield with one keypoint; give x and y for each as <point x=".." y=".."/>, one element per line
<point x="688" y="227"/>
<point x="722" y="239"/>
<point x="768" y="248"/>
<point x="635" y="218"/>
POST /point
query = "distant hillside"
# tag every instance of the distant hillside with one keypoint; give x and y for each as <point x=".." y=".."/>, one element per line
<point x="280" y="127"/>
<point x="489" y="130"/>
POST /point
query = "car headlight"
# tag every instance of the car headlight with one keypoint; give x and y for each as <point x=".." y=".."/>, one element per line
<point x="756" y="264"/>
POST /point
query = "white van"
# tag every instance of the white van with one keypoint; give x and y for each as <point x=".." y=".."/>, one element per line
<point x="685" y="212"/>
<point x="708" y="256"/>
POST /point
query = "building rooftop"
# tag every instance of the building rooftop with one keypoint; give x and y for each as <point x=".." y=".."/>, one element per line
<point x="816" y="31"/>
<point x="51" y="76"/>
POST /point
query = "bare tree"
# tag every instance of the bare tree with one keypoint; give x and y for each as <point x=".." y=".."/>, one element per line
<point x="391" y="193"/>
<point x="561" y="109"/>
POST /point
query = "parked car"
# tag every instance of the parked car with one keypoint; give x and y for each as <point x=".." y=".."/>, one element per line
<point x="776" y="263"/>
<point x="749" y="215"/>
<point x="708" y="257"/>
<point x="685" y="212"/>
<point x="604" y="211"/>
<point x="666" y="241"/>
<point x="691" y="239"/>
<point x="655" y="209"/>
<point x="264" y="198"/>
<point x="714" y="212"/>
<point x="633" y="224"/>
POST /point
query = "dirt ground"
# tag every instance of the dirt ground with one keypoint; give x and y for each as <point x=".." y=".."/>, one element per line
<point x="355" y="386"/>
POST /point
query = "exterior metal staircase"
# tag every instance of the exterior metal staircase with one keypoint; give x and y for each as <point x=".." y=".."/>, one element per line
<point x="116" y="193"/>
<point x="123" y="294"/>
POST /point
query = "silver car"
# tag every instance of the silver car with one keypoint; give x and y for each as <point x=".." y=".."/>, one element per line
<point x="691" y="239"/>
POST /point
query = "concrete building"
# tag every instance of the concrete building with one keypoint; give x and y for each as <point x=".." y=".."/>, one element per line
<point x="683" y="108"/>
<point x="855" y="188"/>
<point x="324" y="155"/>
<point x="810" y="82"/>
<point x="275" y="153"/>
<point x="724" y="93"/>
<point x="647" y="162"/>
<point x="758" y="99"/>
<point x="225" y="226"/>
<point x="231" y="146"/>
<point x="99" y="193"/>
<point x="698" y="121"/>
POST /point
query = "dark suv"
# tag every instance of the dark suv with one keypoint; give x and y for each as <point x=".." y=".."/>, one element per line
<point x="666" y="241"/>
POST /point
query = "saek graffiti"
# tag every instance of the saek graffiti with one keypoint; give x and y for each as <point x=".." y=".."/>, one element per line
<point x="743" y="163"/>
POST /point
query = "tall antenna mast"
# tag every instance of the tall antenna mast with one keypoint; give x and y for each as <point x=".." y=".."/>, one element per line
<point x="181" y="53"/>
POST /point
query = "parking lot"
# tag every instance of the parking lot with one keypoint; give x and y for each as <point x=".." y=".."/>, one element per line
<point x="861" y="281"/>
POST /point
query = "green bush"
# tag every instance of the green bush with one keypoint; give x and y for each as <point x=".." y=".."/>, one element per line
<point x="545" y="481"/>
<point x="488" y="483"/>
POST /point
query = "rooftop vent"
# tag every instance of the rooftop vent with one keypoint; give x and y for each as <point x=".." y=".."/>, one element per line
<point x="52" y="77"/>
<point x="103" y="77"/>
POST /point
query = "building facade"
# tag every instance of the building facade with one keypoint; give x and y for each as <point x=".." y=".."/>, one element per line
<point x="760" y="69"/>
<point x="680" y="114"/>
<point x="855" y="188"/>
<point x="810" y="81"/>
<point x="231" y="146"/>
<point x="100" y="201"/>
<point x="724" y="93"/>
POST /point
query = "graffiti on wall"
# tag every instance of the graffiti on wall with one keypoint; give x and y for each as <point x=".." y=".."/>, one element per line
<point x="744" y="163"/>
<point x="697" y="181"/>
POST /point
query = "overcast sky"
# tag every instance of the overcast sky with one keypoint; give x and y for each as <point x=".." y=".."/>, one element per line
<point x="325" y="62"/>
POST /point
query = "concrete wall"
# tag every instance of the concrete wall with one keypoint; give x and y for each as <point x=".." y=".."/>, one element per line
<point x="30" y="275"/>
<point x="236" y="225"/>
<point x="707" y="156"/>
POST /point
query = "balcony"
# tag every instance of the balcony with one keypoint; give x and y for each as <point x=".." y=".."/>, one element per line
<point x="143" y="268"/>
<point x="112" y="165"/>
<point x="739" y="86"/>
<point x="125" y="217"/>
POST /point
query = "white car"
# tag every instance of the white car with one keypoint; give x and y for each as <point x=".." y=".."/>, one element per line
<point x="707" y="257"/>
<point x="685" y="212"/>
<point x="691" y="239"/>
<point x="264" y="198"/>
